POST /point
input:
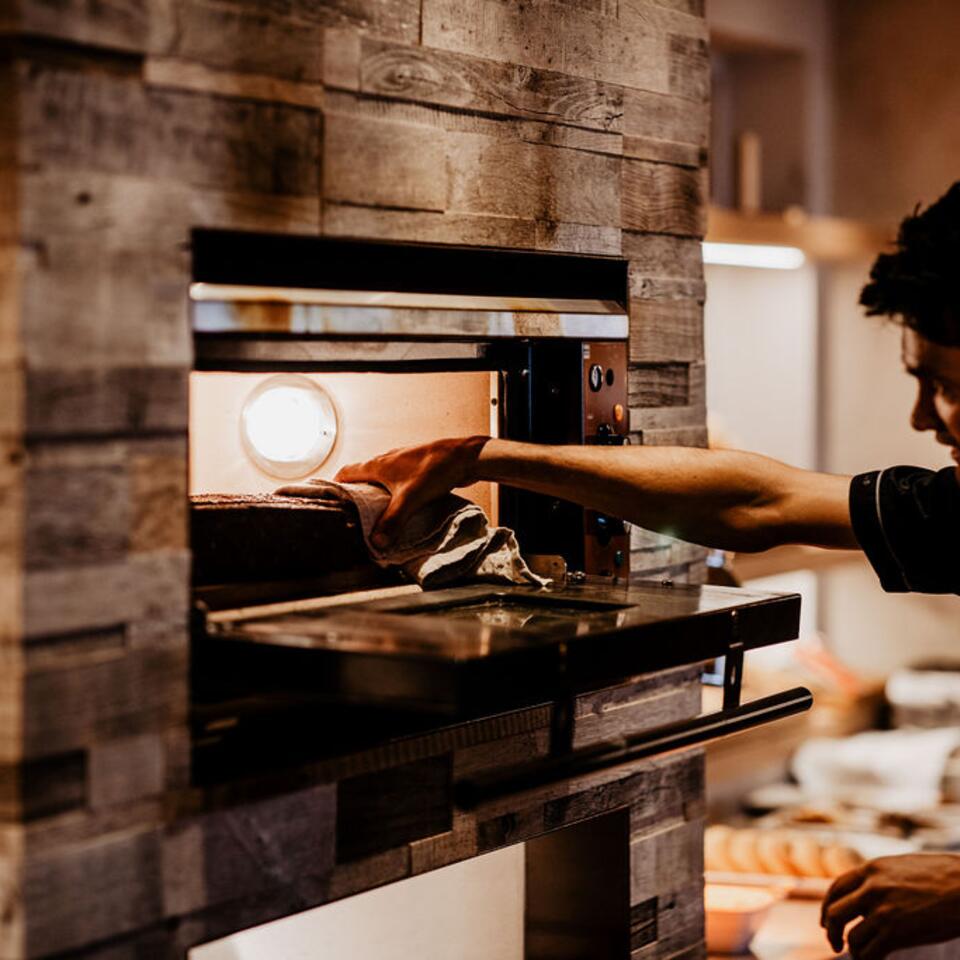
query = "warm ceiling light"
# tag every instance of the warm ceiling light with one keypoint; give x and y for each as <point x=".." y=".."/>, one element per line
<point x="762" y="256"/>
<point x="288" y="425"/>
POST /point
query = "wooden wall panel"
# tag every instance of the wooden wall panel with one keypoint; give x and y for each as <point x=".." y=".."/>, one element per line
<point x="569" y="126"/>
<point x="550" y="36"/>
<point x="471" y="83"/>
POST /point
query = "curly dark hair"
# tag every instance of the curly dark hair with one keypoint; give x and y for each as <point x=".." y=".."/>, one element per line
<point x="918" y="284"/>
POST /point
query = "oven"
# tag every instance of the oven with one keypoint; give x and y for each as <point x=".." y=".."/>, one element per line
<point x="313" y="353"/>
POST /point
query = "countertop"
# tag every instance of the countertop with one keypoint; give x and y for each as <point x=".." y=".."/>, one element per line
<point x="792" y="932"/>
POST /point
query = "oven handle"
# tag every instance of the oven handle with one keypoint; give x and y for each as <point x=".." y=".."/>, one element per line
<point x="625" y="750"/>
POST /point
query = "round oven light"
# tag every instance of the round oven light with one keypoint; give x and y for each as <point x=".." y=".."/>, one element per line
<point x="288" y="425"/>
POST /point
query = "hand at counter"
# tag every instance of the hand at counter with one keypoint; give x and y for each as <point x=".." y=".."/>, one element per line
<point x="904" y="901"/>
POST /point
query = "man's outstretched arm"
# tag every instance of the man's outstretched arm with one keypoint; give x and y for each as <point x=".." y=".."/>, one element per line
<point x="719" y="498"/>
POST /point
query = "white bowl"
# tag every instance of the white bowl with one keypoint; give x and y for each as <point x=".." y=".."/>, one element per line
<point x="734" y="915"/>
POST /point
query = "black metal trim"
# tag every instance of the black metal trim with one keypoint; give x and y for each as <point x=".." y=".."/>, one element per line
<point x="605" y="756"/>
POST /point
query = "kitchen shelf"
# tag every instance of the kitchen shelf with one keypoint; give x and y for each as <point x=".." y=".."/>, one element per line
<point x="823" y="239"/>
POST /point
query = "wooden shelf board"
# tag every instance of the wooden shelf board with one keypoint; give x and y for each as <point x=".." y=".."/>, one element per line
<point x="822" y="239"/>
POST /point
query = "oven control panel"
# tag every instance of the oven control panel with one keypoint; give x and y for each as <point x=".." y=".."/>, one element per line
<point x="605" y="423"/>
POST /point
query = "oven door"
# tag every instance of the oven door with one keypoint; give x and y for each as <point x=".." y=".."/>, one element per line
<point x="458" y="654"/>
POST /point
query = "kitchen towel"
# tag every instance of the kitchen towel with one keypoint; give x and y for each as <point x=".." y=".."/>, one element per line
<point x="448" y="540"/>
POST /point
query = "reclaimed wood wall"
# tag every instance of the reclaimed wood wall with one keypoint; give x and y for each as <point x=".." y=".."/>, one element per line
<point x="565" y="125"/>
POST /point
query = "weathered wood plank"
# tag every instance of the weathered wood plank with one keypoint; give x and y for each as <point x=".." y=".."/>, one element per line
<point x="100" y="696"/>
<point x="679" y="703"/>
<point x="158" y="496"/>
<point x="662" y="18"/>
<point x="689" y="68"/>
<point x="77" y="508"/>
<point x="123" y="401"/>
<point x="677" y="436"/>
<point x="44" y="787"/>
<point x="578" y="42"/>
<point x="148" y="586"/>
<point x="12" y="925"/>
<point x="659" y="385"/>
<point x="593" y="239"/>
<point x="664" y="151"/>
<point x="664" y="330"/>
<point x="178" y="74"/>
<point x="657" y="198"/>
<point x="659" y="255"/>
<point x="105" y="271"/>
<point x="347" y="220"/>
<point x="380" y="811"/>
<point x="656" y="116"/>
<point x="455" y="845"/>
<point x="484" y="168"/>
<point x="658" y="421"/>
<point x="129" y="768"/>
<point x="114" y="24"/>
<point x="532" y="182"/>
<point x="283" y="845"/>
<point x="693" y="7"/>
<point x="108" y="121"/>
<point x="674" y="792"/>
<point x="666" y="860"/>
<point x="92" y="891"/>
<point x="382" y="164"/>
<point x="470" y="83"/>
<point x="370" y="872"/>
<point x="274" y="40"/>
<point x="11" y="693"/>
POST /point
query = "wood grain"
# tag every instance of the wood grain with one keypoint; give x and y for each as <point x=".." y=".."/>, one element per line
<point x="582" y="43"/>
<point x="659" y="385"/>
<point x="273" y="40"/>
<point x="91" y="891"/>
<point x="180" y="74"/>
<point x="664" y="330"/>
<point x="471" y="83"/>
<point x="665" y="118"/>
<point x="658" y="198"/>
<point x="114" y="24"/>
<point x="441" y="163"/>
<point x="377" y="163"/>
<point x="102" y="698"/>
<point x="659" y="256"/>
<point x="109" y="121"/>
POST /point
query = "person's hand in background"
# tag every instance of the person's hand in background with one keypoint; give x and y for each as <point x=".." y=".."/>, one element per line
<point x="904" y="901"/>
<point x="414" y="476"/>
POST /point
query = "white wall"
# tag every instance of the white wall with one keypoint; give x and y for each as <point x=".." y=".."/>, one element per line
<point x="760" y="329"/>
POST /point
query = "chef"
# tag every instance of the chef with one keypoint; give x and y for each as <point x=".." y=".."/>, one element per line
<point x="906" y="519"/>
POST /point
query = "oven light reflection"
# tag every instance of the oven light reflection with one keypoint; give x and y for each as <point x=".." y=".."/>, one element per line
<point x="289" y="426"/>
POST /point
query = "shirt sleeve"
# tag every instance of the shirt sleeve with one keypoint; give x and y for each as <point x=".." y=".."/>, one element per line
<point x="907" y="520"/>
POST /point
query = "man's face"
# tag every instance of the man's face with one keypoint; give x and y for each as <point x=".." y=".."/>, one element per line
<point x="937" y="371"/>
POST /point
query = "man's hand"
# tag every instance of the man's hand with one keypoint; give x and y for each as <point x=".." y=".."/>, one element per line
<point x="415" y="476"/>
<point x="904" y="901"/>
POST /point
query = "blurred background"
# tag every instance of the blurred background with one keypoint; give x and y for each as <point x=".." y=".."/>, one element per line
<point x="831" y="121"/>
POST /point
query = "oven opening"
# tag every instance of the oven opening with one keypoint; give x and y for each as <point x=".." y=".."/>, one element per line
<point x="251" y="433"/>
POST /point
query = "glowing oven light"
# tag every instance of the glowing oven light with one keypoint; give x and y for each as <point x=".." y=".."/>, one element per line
<point x="289" y="426"/>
